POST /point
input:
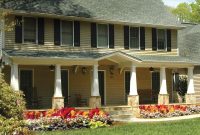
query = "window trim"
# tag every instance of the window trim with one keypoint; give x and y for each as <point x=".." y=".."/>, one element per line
<point x="139" y="48"/>
<point x="165" y="49"/>
<point x="98" y="35"/>
<point x="61" y="36"/>
<point x="36" y="34"/>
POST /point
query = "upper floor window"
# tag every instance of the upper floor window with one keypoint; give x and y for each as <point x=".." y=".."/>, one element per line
<point x="102" y="36"/>
<point x="30" y="30"/>
<point x="161" y="39"/>
<point x="134" y="35"/>
<point x="67" y="29"/>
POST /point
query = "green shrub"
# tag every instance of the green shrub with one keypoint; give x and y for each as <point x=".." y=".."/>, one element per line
<point x="12" y="105"/>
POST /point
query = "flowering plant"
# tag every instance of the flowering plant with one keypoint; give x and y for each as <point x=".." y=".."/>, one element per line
<point x="158" y="111"/>
<point x="66" y="118"/>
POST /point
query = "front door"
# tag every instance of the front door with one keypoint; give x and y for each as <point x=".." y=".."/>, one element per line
<point x="65" y="84"/>
<point x="155" y="86"/>
<point x="127" y="84"/>
<point x="101" y="75"/>
<point x="26" y="85"/>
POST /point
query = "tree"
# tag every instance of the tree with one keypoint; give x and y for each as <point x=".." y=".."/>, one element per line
<point x="188" y="12"/>
<point x="183" y="12"/>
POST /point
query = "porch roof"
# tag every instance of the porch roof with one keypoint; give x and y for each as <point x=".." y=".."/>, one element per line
<point x="97" y="56"/>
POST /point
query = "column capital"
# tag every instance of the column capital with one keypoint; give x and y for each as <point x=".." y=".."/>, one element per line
<point x="191" y="68"/>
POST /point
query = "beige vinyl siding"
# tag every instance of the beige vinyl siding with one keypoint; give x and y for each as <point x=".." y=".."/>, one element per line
<point x="85" y="41"/>
<point x="197" y="83"/>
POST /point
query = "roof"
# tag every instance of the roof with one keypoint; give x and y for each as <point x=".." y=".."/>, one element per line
<point x="189" y="42"/>
<point x="151" y="12"/>
<point x="94" y="56"/>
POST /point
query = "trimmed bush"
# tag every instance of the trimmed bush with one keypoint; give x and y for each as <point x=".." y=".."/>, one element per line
<point x="12" y="105"/>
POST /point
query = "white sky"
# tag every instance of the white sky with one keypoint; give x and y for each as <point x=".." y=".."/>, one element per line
<point x="174" y="3"/>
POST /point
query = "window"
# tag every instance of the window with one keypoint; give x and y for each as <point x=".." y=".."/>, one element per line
<point x="134" y="38"/>
<point x="162" y="42"/>
<point x="67" y="33"/>
<point x="30" y="29"/>
<point x="102" y="34"/>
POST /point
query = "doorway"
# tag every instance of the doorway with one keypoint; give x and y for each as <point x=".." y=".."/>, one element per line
<point x="101" y="75"/>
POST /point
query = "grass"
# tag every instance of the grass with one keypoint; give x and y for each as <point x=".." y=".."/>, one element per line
<point x="184" y="127"/>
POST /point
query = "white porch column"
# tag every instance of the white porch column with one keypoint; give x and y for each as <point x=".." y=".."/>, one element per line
<point x="163" y="97"/>
<point x="133" y="82"/>
<point x="95" y="82"/>
<point x="58" y="88"/>
<point x="163" y="82"/>
<point x="133" y="98"/>
<point x="190" y="89"/>
<point x="14" y="82"/>
<point x="190" y="96"/>
<point x="95" y="99"/>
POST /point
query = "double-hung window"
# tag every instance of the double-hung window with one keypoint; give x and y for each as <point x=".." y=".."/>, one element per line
<point x="102" y="36"/>
<point x="134" y="35"/>
<point x="30" y="30"/>
<point x="67" y="30"/>
<point x="161" y="39"/>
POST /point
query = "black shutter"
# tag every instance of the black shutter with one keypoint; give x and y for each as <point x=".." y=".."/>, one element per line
<point x="154" y="39"/>
<point x="111" y="36"/>
<point x="169" y="40"/>
<point x="76" y="33"/>
<point x="41" y="31"/>
<point x="56" y="31"/>
<point x="18" y="29"/>
<point x="142" y="38"/>
<point x="126" y="37"/>
<point x="93" y="35"/>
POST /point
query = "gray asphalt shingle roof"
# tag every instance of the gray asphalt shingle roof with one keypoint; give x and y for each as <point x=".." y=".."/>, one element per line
<point x="152" y="12"/>
<point x="189" y="42"/>
<point x="93" y="55"/>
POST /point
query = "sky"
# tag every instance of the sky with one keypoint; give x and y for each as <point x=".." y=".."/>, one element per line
<point x="174" y="3"/>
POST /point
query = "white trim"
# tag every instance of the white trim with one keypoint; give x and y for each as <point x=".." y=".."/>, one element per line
<point x="105" y="99"/>
<point x="97" y="33"/>
<point x="61" y="36"/>
<point x="139" y="48"/>
<point x="33" y="75"/>
<point x="36" y="34"/>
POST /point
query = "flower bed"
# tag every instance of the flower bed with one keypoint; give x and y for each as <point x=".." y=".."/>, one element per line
<point x="166" y="111"/>
<point x="66" y="118"/>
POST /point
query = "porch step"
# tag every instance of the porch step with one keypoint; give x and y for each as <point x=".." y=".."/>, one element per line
<point x="123" y="112"/>
<point x="122" y="117"/>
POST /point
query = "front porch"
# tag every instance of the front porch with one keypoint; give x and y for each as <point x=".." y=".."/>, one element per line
<point x="111" y="80"/>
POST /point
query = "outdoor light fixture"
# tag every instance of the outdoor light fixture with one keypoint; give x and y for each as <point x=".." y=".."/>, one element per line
<point x="84" y="70"/>
<point x="151" y="69"/>
<point x="111" y="70"/>
<point x="52" y="67"/>
<point x="2" y="63"/>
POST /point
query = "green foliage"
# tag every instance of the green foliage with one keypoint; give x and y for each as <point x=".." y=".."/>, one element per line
<point x="188" y="12"/>
<point x="97" y="124"/>
<point x="12" y="105"/>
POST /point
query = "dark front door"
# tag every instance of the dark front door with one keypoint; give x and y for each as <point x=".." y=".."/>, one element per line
<point x="65" y="84"/>
<point x="155" y="86"/>
<point x="127" y="84"/>
<point x="26" y="85"/>
<point x="102" y="86"/>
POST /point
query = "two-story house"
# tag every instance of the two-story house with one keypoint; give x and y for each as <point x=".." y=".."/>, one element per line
<point x="99" y="52"/>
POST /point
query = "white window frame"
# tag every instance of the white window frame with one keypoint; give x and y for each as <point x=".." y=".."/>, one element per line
<point x="165" y="49"/>
<point x="61" y="36"/>
<point x="36" y="34"/>
<point x="139" y="48"/>
<point x="98" y="35"/>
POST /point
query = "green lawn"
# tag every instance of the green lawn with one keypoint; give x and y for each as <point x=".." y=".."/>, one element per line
<point x="185" y="127"/>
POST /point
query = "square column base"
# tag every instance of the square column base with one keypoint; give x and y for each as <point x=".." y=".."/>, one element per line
<point x="133" y="100"/>
<point x="57" y="102"/>
<point x="95" y="102"/>
<point x="190" y="99"/>
<point x="163" y="99"/>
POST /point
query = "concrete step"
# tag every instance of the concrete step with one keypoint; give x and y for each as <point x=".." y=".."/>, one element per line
<point x="123" y="112"/>
<point x="122" y="117"/>
<point x="109" y="109"/>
